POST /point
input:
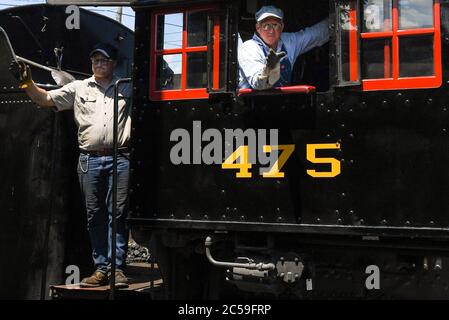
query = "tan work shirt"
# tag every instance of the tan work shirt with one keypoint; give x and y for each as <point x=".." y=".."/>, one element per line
<point x="94" y="109"/>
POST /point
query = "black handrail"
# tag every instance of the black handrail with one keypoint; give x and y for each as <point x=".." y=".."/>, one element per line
<point x="114" y="188"/>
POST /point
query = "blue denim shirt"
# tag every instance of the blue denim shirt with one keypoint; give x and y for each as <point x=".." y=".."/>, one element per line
<point x="252" y="53"/>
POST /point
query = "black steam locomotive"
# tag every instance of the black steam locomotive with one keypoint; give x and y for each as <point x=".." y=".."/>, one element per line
<point x="356" y="205"/>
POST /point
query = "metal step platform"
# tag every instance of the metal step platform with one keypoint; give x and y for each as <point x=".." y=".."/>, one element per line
<point x="145" y="284"/>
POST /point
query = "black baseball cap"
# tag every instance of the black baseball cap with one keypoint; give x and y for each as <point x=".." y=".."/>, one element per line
<point x="106" y="49"/>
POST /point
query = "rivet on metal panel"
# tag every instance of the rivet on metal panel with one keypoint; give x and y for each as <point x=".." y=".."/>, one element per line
<point x="425" y="264"/>
<point x="438" y="264"/>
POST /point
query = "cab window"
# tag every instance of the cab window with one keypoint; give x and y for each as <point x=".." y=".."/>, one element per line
<point x="185" y="44"/>
<point x="394" y="45"/>
<point x="311" y="68"/>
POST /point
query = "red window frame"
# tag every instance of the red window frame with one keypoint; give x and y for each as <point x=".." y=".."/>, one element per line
<point x="183" y="92"/>
<point x="396" y="82"/>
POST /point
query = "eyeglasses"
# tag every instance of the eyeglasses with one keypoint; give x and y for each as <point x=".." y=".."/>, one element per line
<point x="269" y="26"/>
<point x="100" y="61"/>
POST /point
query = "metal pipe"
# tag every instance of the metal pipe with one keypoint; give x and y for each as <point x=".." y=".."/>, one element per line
<point x="34" y="63"/>
<point x="250" y="265"/>
<point x="114" y="187"/>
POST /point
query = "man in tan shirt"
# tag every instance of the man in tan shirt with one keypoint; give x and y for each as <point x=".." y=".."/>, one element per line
<point x="92" y="101"/>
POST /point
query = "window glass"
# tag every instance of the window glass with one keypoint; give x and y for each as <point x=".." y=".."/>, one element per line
<point x="376" y="15"/>
<point x="416" y="56"/>
<point x="197" y="70"/>
<point x="168" y="72"/>
<point x="376" y="58"/>
<point x="415" y="14"/>
<point x="169" y="31"/>
<point x="196" y="29"/>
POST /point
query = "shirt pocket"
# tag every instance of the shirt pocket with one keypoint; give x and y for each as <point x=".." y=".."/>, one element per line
<point x="87" y="104"/>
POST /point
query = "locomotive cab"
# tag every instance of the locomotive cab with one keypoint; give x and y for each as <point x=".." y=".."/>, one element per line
<point x="357" y="139"/>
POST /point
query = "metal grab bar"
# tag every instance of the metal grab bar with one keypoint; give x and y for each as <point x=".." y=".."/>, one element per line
<point x="250" y="265"/>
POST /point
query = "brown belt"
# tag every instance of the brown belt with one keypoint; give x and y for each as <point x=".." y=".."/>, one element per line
<point x="105" y="152"/>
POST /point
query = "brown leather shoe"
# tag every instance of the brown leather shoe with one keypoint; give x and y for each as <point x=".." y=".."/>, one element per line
<point x="121" y="281"/>
<point x="97" y="279"/>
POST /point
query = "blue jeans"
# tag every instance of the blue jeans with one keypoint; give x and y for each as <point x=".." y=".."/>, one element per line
<point x="95" y="176"/>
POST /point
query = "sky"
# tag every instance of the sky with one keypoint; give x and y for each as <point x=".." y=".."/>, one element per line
<point x="127" y="17"/>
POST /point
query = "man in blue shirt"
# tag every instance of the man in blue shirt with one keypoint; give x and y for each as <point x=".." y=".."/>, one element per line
<point x="267" y="60"/>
